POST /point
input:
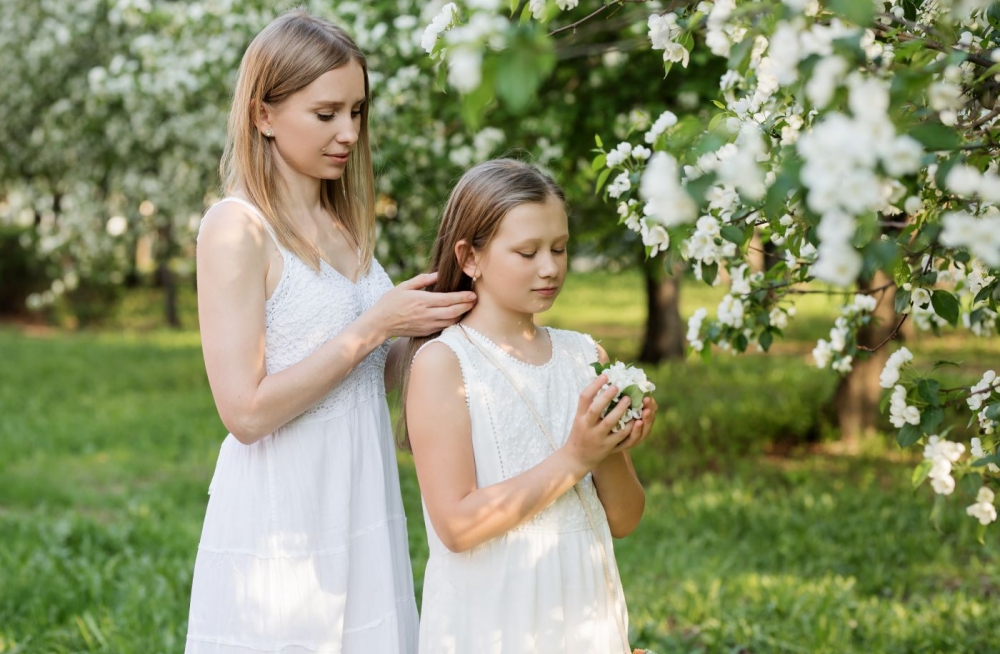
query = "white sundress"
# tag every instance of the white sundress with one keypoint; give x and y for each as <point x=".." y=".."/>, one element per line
<point x="304" y="547"/>
<point x="541" y="586"/>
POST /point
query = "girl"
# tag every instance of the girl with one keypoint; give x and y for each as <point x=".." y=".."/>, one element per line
<point x="503" y="418"/>
<point x="304" y="546"/>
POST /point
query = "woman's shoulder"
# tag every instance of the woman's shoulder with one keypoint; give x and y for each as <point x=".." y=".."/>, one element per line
<point x="234" y="223"/>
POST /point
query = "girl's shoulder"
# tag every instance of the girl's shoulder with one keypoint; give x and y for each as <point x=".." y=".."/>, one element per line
<point x="577" y="344"/>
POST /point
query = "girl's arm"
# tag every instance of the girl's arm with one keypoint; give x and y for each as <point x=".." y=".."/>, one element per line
<point x="232" y="260"/>
<point x="462" y="514"/>
<point x="618" y="486"/>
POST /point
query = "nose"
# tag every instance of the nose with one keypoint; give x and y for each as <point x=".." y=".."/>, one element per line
<point x="548" y="266"/>
<point x="347" y="132"/>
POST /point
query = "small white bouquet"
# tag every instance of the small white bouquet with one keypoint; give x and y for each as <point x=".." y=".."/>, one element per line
<point x="631" y="381"/>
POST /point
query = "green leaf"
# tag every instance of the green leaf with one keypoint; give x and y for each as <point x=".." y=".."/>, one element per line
<point x="765" y="340"/>
<point x="741" y="342"/>
<point x="930" y="419"/>
<point x="739" y="52"/>
<point x="971" y="483"/>
<point x="902" y="300"/>
<point x="986" y="460"/>
<point x="984" y="292"/>
<point x="519" y="73"/>
<point x="920" y="472"/>
<point x="597" y="139"/>
<point x="993" y="411"/>
<point x="709" y="272"/>
<point x="908" y="435"/>
<point x="929" y="390"/>
<point x="946" y="305"/>
<point x="598" y="367"/>
<point x="733" y="234"/>
<point x="859" y="12"/>
<point x="634" y="394"/>
<point x="600" y="161"/>
<point x="603" y="177"/>
<point x="935" y="136"/>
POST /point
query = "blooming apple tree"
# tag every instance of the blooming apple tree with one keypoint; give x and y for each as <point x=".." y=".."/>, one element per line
<point x="860" y="138"/>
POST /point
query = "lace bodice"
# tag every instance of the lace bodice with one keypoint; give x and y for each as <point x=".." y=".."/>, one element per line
<point x="506" y="438"/>
<point x="308" y="308"/>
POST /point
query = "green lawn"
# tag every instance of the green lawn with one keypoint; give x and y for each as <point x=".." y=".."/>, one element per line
<point x="108" y="441"/>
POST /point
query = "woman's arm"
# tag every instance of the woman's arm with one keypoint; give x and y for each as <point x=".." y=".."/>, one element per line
<point x="462" y="514"/>
<point x="617" y="485"/>
<point x="232" y="266"/>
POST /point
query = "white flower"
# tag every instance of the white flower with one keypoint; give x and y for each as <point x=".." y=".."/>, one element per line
<point x="983" y="510"/>
<point x="837" y="264"/>
<point x="890" y="373"/>
<point x="567" y="4"/>
<point x="620" y="185"/>
<point x="654" y="237"/>
<point x="943" y="485"/>
<point x="963" y="179"/>
<point x="537" y="8"/>
<point x="824" y="80"/>
<point x="730" y="311"/>
<point x="903" y="157"/>
<point x="666" y="120"/>
<point x="666" y="201"/>
<point x="694" y="328"/>
<point x="465" y="69"/>
<point x="641" y="153"/>
<point x="822" y="353"/>
<point x="441" y="22"/>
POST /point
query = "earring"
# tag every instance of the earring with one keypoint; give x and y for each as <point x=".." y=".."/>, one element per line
<point x="323" y="150"/>
<point x="269" y="133"/>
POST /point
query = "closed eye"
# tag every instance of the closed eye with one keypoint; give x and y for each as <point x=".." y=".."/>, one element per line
<point x="325" y="117"/>
<point x="527" y="255"/>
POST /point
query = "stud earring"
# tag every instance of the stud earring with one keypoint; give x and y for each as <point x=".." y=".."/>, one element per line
<point x="269" y="133"/>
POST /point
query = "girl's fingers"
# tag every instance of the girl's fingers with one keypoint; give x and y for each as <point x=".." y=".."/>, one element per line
<point x="615" y="414"/>
<point x="589" y="393"/>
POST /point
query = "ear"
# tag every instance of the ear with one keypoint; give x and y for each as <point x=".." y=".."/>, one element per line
<point x="263" y="114"/>
<point x="468" y="258"/>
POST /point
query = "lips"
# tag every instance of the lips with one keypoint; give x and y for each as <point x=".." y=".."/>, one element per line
<point x="338" y="158"/>
<point x="548" y="291"/>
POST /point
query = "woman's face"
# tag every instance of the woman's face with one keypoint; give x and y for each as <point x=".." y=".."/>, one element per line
<point x="316" y="128"/>
<point x="524" y="266"/>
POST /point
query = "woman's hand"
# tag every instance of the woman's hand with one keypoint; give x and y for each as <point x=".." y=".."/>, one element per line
<point x="591" y="439"/>
<point x="407" y="310"/>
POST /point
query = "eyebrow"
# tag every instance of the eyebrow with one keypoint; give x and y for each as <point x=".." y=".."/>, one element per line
<point x="337" y="103"/>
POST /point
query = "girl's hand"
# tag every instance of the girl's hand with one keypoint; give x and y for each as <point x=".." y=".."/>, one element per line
<point x="409" y="311"/>
<point x="640" y="427"/>
<point x="591" y="439"/>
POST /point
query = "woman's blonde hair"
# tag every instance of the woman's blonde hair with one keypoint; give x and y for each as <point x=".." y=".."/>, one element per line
<point x="475" y="209"/>
<point x="288" y="55"/>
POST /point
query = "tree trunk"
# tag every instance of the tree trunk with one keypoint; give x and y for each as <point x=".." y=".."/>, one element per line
<point x="165" y="276"/>
<point x="857" y="397"/>
<point x="664" y="326"/>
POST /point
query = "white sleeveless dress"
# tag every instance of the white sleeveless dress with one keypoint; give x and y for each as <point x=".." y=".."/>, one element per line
<point x="304" y="547"/>
<point x="541" y="586"/>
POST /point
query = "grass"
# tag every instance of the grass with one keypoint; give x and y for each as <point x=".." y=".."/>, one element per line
<point x="108" y="441"/>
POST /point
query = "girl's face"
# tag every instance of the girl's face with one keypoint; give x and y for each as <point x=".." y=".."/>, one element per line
<point x="524" y="266"/>
<point x="316" y="128"/>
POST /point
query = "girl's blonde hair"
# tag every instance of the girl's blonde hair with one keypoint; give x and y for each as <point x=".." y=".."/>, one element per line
<point x="475" y="209"/>
<point x="288" y="55"/>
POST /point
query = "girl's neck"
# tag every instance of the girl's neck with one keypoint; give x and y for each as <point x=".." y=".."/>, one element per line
<point x="501" y="325"/>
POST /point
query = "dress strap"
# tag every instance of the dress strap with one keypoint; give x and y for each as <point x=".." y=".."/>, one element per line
<point x="260" y="216"/>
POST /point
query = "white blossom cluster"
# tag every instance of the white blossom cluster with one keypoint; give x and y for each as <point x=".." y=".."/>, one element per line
<point x="890" y="373"/>
<point x="983" y="509"/>
<point x="663" y="30"/>
<point x="900" y="412"/>
<point x="942" y="454"/>
<point x="980" y="394"/>
<point x="981" y="236"/>
<point x="624" y="377"/>
<point x="464" y="42"/>
<point x="979" y="452"/>
<point x="836" y="352"/>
